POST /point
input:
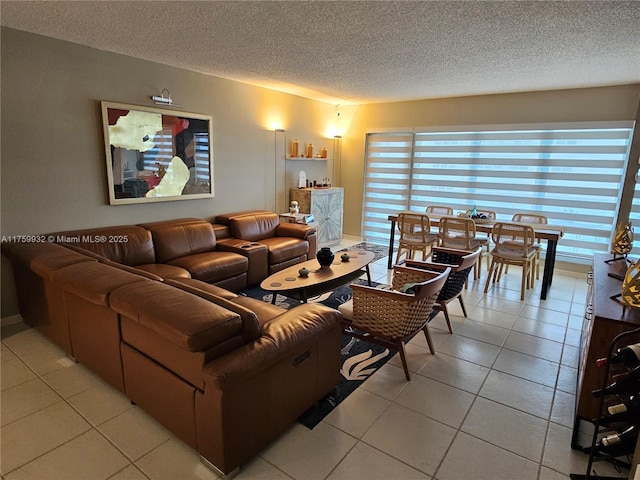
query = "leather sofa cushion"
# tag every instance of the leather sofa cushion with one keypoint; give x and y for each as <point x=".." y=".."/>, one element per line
<point x="225" y="218"/>
<point x="213" y="266"/>
<point x="194" y="286"/>
<point x="254" y="227"/>
<point x="179" y="240"/>
<point x="186" y="320"/>
<point x="165" y="271"/>
<point x="127" y="244"/>
<point x="285" y="248"/>
<point x="45" y="258"/>
<point x="95" y="281"/>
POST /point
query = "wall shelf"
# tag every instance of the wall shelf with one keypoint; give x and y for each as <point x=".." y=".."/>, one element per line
<point x="313" y="159"/>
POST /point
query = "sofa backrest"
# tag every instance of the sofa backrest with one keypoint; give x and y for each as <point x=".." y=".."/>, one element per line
<point x="254" y="227"/>
<point x="175" y="240"/>
<point x="126" y="244"/>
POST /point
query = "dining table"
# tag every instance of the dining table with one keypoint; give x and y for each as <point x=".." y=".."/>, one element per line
<point x="550" y="233"/>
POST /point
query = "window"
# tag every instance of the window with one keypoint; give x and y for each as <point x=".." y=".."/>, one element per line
<point x="570" y="173"/>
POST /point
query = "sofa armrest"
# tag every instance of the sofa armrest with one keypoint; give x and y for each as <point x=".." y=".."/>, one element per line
<point x="281" y="337"/>
<point x="296" y="230"/>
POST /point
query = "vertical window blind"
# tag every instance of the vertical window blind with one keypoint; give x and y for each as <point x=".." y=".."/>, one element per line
<point x="571" y="173"/>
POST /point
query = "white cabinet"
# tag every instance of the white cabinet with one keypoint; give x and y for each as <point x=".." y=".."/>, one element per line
<point x="326" y="205"/>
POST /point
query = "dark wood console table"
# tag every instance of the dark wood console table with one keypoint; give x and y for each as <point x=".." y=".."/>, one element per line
<point x="603" y="320"/>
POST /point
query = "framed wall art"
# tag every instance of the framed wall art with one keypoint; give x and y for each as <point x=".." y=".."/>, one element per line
<point x="156" y="155"/>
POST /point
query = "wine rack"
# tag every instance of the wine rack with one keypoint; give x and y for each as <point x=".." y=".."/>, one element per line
<point x="615" y="436"/>
<point x="604" y="319"/>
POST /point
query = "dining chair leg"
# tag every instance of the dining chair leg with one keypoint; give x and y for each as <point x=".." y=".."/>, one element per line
<point x="464" y="310"/>
<point x="427" y="334"/>
<point x="446" y="317"/>
<point x="489" y="273"/>
<point x="525" y="280"/>
<point x="403" y="357"/>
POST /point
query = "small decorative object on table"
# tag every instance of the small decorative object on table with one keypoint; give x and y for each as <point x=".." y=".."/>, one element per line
<point x="294" y="208"/>
<point x="630" y="296"/>
<point x="303" y="272"/>
<point x="325" y="257"/>
<point x="345" y="257"/>
<point x="622" y="242"/>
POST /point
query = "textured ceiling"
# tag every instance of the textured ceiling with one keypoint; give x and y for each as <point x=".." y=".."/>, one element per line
<point x="361" y="51"/>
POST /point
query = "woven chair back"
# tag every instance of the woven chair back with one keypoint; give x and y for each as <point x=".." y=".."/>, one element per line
<point x="440" y="210"/>
<point x="457" y="232"/>
<point x="512" y="237"/>
<point x="393" y="315"/>
<point x="414" y="227"/>
<point x="530" y="218"/>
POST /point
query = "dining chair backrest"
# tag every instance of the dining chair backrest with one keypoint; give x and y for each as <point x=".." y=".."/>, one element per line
<point x="513" y="236"/>
<point x="457" y="232"/>
<point x="533" y="218"/>
<point x="440" y="210"/>
<point x="415" y="225"/>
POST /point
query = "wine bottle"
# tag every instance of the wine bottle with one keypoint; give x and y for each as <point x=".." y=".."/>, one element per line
<point x="630" y="435"/>
<point x="626" y="411"/>
<point x="616" y="444"/>
<point x="629" y="355"/>
<point x="629" y="386"/>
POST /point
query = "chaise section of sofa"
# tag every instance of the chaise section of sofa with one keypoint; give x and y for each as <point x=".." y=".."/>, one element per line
<point x="221" y="378"/>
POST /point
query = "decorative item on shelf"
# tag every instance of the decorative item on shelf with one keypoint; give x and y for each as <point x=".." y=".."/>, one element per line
<point x="294" y="148"/>
<point x="294" y="208"/>
<point x="622" y="242"/>
<point x="310" y="150"/>
<point x="345" y="257"/>
<point x="303" y="272"/>
<point x="325" y="257"/>
<point x="302" y="179"/>
<point x="324" y="153"/>
<point x="630" y="295"/>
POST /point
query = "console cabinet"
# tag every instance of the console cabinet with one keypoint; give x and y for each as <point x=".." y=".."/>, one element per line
<point x="604" y="319"/>
<point x="326" y="205"/>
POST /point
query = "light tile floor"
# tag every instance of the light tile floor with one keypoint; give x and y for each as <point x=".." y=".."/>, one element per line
<point x="495" y="402"/>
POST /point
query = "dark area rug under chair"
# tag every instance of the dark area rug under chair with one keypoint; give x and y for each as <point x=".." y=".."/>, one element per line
<point x="359" y="360"/>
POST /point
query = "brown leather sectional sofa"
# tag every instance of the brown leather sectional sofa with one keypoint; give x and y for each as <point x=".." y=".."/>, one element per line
<point x="224" y="372"/>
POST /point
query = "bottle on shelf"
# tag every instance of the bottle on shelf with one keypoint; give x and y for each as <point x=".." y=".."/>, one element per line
<point x="294" y="148"/>
<point x="629" y="355"/>
<point x="626" y="411"/>
<point x="628" y="375"/>
<point x="629" y="386"/>
<point x="617" y="444"/>
<point x="310" y="150"/>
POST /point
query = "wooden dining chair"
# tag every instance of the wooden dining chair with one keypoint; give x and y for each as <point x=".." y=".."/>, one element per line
<point x="534" y="219"/>
<point x="440" y="210"/>
<point x="415" y="235"/>
<point x="460" y="233"/>
<point x="393" y="317"/>
<point x="513" y="246"/>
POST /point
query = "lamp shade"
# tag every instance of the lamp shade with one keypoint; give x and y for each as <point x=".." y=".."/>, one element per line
<point x="623" y="239"/>
<point x="631" y="286"/>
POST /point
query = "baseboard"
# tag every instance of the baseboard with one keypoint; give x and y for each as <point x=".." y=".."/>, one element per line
<point x="12" y="320"/>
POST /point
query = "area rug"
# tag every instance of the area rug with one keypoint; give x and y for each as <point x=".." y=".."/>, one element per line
<point x="380" y="251"/>
<point x="359" y="360"/>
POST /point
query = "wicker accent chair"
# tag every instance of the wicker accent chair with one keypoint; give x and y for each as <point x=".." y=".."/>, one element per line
<point x="514" y="245"/>
<point x="460" y="233"/>
<point x="533" y="219"/>
<point x="415" y="234"/>
<point x="461" y="262"/>
<point x="440" y="210"/>
<point x="390" y="317"/>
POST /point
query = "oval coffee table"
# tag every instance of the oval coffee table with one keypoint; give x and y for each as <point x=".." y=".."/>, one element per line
<point x="288" y="282"/>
